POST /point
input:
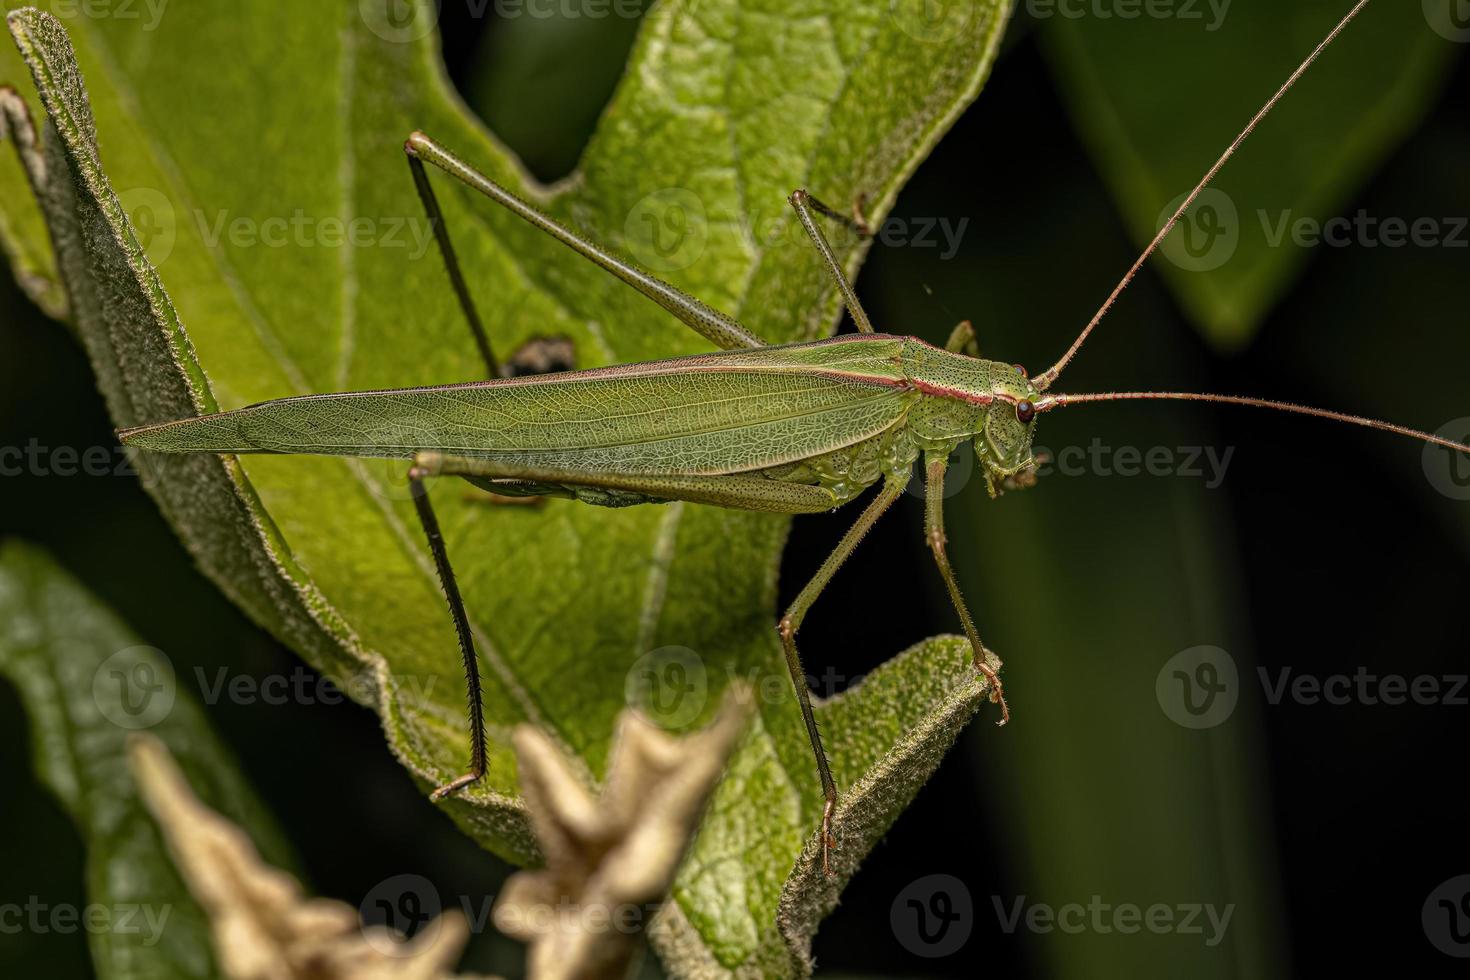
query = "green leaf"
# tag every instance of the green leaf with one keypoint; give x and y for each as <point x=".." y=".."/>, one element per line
<point x="725" y="108"/>
<point x="1155" y="132"/>
<point x="87" y="683"/>
<point x="23" y="236"/>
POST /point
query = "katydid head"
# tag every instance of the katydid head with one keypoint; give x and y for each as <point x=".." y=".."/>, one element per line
<point x="1003" y="444"/>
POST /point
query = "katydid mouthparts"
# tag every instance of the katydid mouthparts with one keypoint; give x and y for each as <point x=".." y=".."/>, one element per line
<point x="794" y="429"/>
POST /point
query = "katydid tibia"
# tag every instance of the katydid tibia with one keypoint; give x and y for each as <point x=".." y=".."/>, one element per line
<point x="794" y="429"/>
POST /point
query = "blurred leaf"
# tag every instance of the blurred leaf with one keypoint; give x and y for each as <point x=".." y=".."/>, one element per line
<point x="1157" y="99"/>
<point x="567" y="65"/>
<point x="1121" y="802"/>
<point x="297" y="135"/>
<point x="87" y="683"/>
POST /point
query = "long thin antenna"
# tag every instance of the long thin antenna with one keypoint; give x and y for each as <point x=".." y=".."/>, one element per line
<point x="1045" y="378"/>
<point x="1048" y="402"/>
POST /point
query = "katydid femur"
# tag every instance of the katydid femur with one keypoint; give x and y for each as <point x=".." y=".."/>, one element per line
<point x="794" y="429"/>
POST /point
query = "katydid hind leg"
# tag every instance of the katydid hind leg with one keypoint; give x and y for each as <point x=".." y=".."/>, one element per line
<point x="791" y="622"/>
<point x="736" y="491"/>
<point x="717" y="327"/>
<point x="935" y="465"/>
<point x="478" y="751"/>
<point x="806" y="206"/>
<point x="451" y="262"/>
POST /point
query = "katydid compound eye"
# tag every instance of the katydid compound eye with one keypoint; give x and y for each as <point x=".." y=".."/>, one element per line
<point x="1021" y="370"/>
<point x="1025" y="412"/>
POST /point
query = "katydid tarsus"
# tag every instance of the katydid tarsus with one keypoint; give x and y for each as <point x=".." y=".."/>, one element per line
<point x="796" y="429"/>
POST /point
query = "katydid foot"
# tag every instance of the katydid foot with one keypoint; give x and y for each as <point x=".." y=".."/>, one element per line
<point x="454" y="786"/>
<point x="997" y="691"/>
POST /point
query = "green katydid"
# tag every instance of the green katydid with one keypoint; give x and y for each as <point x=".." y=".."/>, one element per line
<point x="795" y="429"/>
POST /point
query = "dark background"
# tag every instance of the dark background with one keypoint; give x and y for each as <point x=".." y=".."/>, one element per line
<point x="1336" y="553"/>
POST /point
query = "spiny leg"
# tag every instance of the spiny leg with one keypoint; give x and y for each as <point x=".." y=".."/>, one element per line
<point x="805" y="204"/>
<point x="720" y="329"/>
<point x="420" y="494"/>
<point x="962" y="340"/>
<point x="451" y="261"/>
<point x="935" y="465"/>
<point x="791" y="622"/>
